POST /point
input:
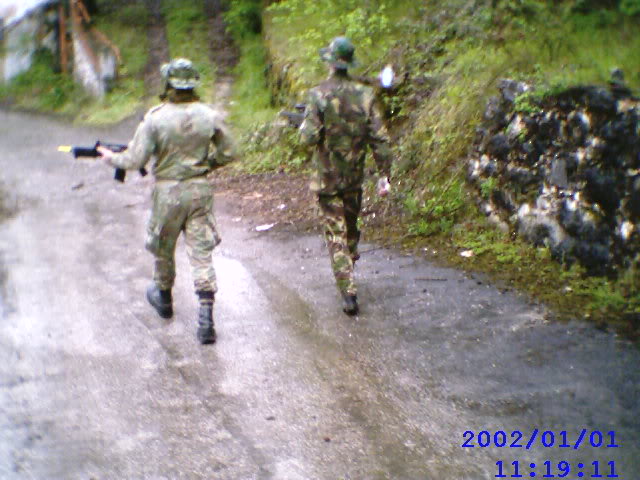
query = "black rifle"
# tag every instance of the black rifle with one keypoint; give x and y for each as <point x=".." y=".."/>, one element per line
<point x="120" y="173"/>
<point x="295" y="118"/>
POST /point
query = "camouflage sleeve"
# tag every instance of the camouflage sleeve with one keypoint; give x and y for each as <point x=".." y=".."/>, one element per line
<point x="311" y="127"/>
<point x="221" y="149"/>
<point x="139" y="150"/>
<point x="379" y="141"/>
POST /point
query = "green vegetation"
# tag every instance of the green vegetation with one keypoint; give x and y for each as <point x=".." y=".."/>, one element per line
<point x="128" y="95"/>
<point x="310" y="25"/>
<point x="44" y="88"/>
<point x="452" y="54"/>
<point x="252" y="106"/>
<point x="244" y="18"/>
<point x="186" y="24"/>
<point x="264" y="147"/>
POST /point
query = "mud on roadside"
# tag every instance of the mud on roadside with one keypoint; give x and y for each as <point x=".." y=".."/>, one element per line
<point x="281" y="199"/>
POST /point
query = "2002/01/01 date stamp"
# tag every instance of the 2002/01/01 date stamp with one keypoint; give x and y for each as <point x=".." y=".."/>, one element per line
<point x="547" y="439"/>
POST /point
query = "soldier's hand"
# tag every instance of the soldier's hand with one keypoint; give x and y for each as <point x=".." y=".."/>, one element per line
<point x="384" y="187"/>
<point x="105" y="154"/>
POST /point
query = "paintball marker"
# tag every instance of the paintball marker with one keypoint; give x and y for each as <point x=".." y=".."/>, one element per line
<point x="295" y="118"/>
<point x="120" y="173"/>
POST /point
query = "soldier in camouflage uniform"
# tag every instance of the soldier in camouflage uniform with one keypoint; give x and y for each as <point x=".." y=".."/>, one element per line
<point x="187" y="139"/>
<point x="341" y="120"/>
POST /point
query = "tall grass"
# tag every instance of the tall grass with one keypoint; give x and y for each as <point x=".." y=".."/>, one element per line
<point x="42" y="87"/>
<point x="251" y="102"/>
<point x="186" y="24"/>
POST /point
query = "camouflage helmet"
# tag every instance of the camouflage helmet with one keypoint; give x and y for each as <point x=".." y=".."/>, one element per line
<point x="339" y="53"/>
<point x="180" y="74"/>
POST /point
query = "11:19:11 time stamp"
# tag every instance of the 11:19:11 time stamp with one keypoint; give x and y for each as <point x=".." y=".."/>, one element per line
<point x="563" y="469"/>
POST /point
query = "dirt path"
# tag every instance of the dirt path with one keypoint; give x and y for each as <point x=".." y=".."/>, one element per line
<point x="158" y="48"/>
<point x="222" y="51"/>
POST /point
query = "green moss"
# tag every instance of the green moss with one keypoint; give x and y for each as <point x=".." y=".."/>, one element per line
<point x="487" y="187"/>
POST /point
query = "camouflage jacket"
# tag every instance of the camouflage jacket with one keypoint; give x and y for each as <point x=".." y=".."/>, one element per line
<point x="188" y="140"/>
<point x="341" y="120"/>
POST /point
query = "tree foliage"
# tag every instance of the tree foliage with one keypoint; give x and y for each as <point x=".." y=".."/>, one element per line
<point x="365" y="23"/>
<point x="244" y="17"/>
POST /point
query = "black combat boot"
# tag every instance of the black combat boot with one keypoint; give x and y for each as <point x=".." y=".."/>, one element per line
<point x="206" y="331"/>
<point x="161" y="301"/>
<point x="350" y="304"/>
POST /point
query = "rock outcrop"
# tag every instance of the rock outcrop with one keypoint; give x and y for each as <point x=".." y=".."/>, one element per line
<point x="564" y="171"/>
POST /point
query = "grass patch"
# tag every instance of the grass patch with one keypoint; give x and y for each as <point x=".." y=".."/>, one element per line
<point x="251" y="102"/>
<point x="252" y="113"/>
<point x="43" y="88"/>
<point x="297" y="29"/>
<point x="512" y="263"/>
<point x="128" y="94"/>
<point x="187" y="27"/>
<point x="266" y="145"/>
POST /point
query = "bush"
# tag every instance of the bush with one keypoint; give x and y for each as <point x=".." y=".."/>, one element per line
<point x="630" y="7"/>
<point x="134" y="15"/>
<point x="42" y="86"/>
<point x="244" y="17"/>
<point x="367" y="25"/>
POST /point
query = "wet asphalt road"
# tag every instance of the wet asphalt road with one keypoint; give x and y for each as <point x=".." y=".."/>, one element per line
<point x="93" y="385"/>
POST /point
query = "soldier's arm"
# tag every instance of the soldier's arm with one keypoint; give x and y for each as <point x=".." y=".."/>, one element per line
<point x="311" y="127"/>
<point x="222" y="149"/>
<point x="139" y="150"/>
<point x="379" y="141"/>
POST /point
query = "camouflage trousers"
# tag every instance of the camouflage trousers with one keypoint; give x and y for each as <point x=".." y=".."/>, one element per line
<point x="339" y="214"/>
<point x="187" y="207"/>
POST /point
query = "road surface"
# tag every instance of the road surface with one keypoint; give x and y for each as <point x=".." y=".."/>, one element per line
<point x="93" y="385"/>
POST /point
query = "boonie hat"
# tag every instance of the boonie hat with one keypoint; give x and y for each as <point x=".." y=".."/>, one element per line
<point x="339" y="53"/>
<point x="180" y="74"/>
